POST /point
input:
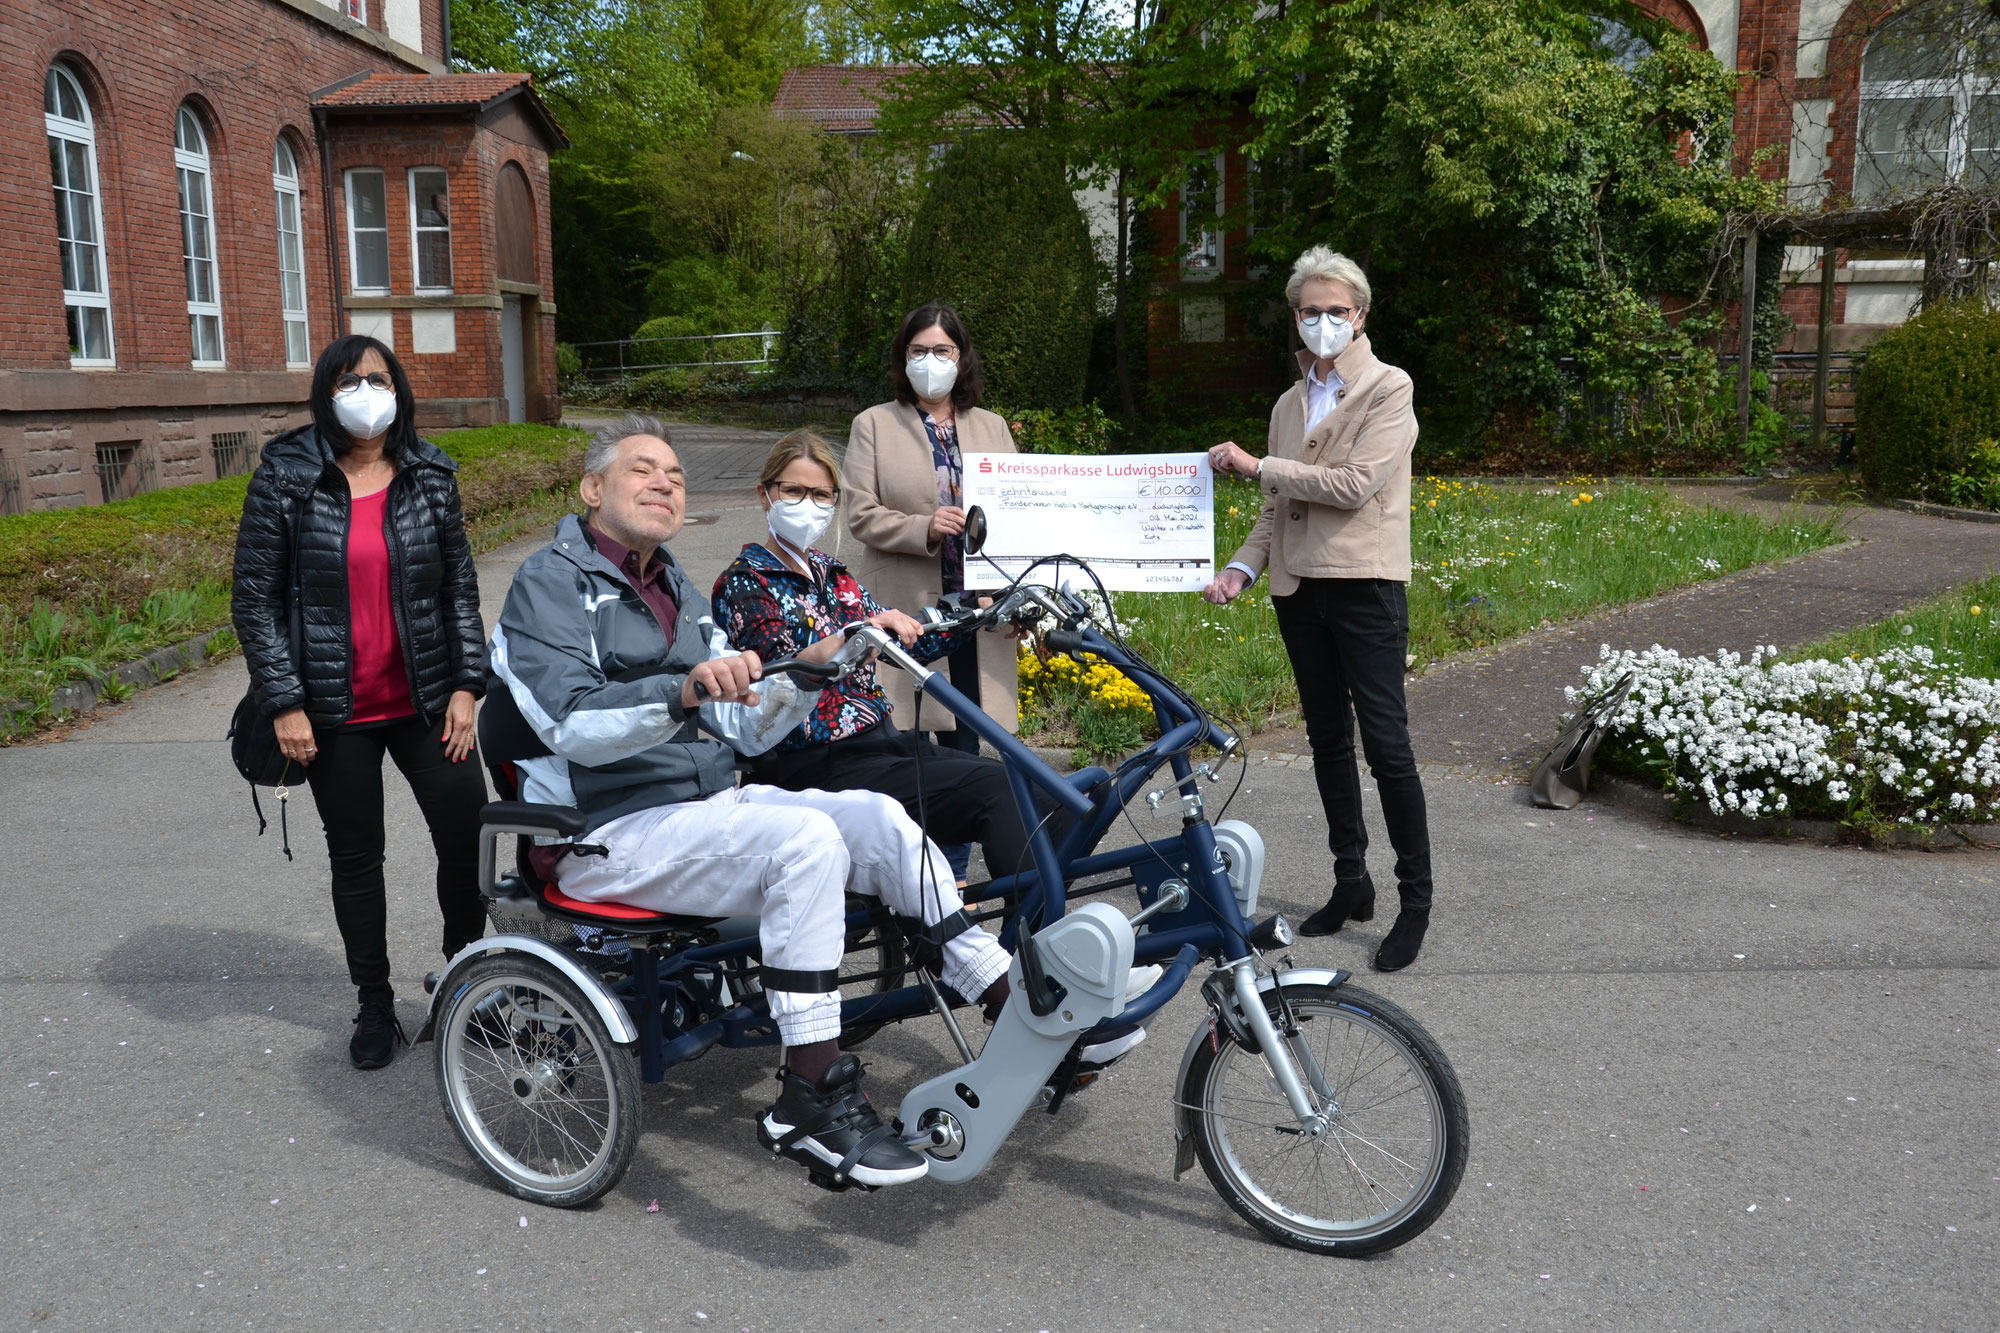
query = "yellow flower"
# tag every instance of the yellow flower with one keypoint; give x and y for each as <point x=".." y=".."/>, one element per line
<point x="1975" y="610"/>
<point x="1585" y="497"/>
<point x="1574" y="501"/>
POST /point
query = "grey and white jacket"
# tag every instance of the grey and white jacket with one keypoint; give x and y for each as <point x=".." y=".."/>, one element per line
<point x="588" y="665"/>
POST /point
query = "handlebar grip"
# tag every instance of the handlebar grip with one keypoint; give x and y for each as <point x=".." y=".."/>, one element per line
<point x="1064" y="640"/>
<point x="792" y="666"/>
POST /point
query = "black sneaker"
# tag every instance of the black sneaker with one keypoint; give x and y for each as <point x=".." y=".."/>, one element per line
<point x="376" y="1033"/>
<point x="833" y="1131"/>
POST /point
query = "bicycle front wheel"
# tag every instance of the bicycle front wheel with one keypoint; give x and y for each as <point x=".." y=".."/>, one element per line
<point x="1395" y="1146"/>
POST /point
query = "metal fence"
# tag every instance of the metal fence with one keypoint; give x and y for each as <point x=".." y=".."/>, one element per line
<point x="11" y="501"/>
<point x="233" y="451"/>
<point x="623" y="357"/>
<point x="126" y="468"/>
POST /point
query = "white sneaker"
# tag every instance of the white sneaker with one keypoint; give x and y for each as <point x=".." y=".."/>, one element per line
<point x="1141" y="980"/>
<point x="1100" y="1054"/>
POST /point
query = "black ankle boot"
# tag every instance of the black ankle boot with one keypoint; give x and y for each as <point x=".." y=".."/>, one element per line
<point x="1405" y="938"/>
<point x="1352" y="900"/>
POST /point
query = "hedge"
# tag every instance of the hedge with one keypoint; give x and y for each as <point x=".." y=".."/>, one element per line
<point x="1000" y="238"/>
<point x="1927" y="407"/>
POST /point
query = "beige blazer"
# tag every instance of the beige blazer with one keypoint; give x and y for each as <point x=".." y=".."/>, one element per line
<point x="891" y="487"/>
<point x="1337" y="501"/>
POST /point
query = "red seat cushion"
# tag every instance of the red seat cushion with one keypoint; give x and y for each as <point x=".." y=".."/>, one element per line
<point x="609" y="911"/>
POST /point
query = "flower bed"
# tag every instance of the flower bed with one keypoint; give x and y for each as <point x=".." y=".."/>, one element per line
<point x="1899" y="738"/>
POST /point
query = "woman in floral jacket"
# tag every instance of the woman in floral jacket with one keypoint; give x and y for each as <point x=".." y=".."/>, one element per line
<point x="781" y="595"/>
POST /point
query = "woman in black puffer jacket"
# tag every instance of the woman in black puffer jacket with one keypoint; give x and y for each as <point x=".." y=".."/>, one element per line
<point x="357" y="521"/>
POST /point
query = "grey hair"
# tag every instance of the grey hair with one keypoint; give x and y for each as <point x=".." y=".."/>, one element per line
<point x="604" y="444"/>
<point x="1327" y="266"/>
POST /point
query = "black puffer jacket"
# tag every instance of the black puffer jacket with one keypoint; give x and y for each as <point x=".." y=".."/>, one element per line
<point x="299" y="500"/>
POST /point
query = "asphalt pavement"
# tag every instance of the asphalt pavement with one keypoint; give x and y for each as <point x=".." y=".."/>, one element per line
<point x="1715" y="1084"/>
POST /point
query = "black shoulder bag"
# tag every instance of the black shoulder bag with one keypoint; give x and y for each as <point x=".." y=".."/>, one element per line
<point x="253" y="739"/>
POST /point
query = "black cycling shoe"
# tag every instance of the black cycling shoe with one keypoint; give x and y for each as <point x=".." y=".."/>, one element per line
<point x="833" y="1131"/>
<point x="1352" y="900"/>
<point x="376" y="1033"/>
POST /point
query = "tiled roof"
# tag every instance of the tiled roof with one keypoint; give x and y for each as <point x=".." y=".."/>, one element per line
<point x="835" y="98"/>
<point x="423" y="90"/>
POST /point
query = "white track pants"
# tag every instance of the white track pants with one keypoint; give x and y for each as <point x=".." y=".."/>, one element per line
<point x="790" y="857"/>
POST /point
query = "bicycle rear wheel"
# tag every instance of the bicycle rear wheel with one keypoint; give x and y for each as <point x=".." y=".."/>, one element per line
<point x="533" y="1083"/>
<point x="1396" y="1145"/>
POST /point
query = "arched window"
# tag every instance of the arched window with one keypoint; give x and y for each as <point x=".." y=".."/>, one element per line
<point x="1930" y="101"/>
<point x="204" y="301"/>
<point x="79" y="218"/>
<point x="291" y="257"/>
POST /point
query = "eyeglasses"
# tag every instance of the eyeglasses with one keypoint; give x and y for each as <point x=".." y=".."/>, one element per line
<point x="378" y="379"/>
<point x="943" y="352"/>
<point x="1311" y="314"/>
<point x="793" y="492"/>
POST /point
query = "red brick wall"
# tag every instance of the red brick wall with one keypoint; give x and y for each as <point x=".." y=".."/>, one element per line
<point x="249" y="67"/>
<point x="133" y="58"/>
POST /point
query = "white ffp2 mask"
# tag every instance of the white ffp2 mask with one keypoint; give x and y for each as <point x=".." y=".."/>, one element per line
<point x="932" y="376"/>
<point x="365" y="410"/>
<point x="1325" y="335"/>
<point x="800" y="522"/>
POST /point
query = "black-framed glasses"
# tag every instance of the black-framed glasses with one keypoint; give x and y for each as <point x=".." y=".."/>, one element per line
<point x="793" y="492"/>
<point x="377" y="379"/>
<point x="942" y="351"/>
<point x="1311" y="314"/>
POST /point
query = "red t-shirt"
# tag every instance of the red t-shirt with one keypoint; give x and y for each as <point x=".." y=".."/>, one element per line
<point x="381" y="686"/>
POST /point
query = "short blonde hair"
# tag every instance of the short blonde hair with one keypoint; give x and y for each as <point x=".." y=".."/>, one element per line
<point x="1327" y="265"/>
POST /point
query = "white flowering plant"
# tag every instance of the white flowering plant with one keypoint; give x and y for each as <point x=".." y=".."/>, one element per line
<point x="1902" y="737"/>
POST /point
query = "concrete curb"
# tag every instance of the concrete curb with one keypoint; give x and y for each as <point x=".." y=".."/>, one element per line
<point x="155" y="668"/>
<point x="1630" y="794"/>
<point x="1930" y="510"/>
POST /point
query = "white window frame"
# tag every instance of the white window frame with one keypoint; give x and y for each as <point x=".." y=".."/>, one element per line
<point x="1210" y="266"/>
<point x="1961" y="87"/>
<point x="356" y="10"/>
<point x="190" y="165"/>
<point x="353" y="233"/>
<point x="290" y="217"/>
<point x="417" y="232"/>
<point x="83" y="133"/>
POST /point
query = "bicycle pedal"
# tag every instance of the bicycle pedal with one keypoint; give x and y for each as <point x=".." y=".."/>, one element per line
<point x="832" y="1186"/>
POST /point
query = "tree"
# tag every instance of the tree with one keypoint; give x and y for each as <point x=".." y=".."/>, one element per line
<point x="1523" y="180"/>
<point x="1000" y="237"/>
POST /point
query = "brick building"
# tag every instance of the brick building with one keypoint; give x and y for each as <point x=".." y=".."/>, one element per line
<point x="1843" y="100"/>
<point x="233" y="184"/>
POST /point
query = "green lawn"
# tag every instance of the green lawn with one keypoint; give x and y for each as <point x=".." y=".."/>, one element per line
<point x="82" y="590"/>
<point x="1489" y="562"/>
<point x="1957" y="626"/>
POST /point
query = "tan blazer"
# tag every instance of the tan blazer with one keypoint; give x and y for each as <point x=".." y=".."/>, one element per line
<point x="891" y="487"/>
<point x="1337" y="501"/>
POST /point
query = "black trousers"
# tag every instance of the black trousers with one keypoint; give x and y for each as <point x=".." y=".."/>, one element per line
<point x="966" y="798"/>
<point x="1349" y="640"/>
<point x="346" y="781"/>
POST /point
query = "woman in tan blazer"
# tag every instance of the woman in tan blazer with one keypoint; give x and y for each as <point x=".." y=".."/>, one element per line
<point x="1335" y="535"/>
<point x="904" y="482"/>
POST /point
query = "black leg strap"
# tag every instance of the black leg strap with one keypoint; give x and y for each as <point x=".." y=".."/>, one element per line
<point x="797" y="982"/>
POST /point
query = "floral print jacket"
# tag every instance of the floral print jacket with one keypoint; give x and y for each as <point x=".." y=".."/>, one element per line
<point x="765" y="606"/>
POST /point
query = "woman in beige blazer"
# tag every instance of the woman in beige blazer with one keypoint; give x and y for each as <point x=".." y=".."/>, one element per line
<point x="904" y="482"/>
<point x="1335" y="535"/>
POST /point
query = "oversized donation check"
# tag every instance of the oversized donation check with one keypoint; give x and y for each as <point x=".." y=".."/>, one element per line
<point x="1145" y="522"/>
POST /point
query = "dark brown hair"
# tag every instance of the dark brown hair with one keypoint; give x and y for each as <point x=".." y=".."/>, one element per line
<point x="966" y="389"/>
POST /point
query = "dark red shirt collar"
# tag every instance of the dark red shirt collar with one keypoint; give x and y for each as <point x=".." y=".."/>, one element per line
<point x="653" y="587"/>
